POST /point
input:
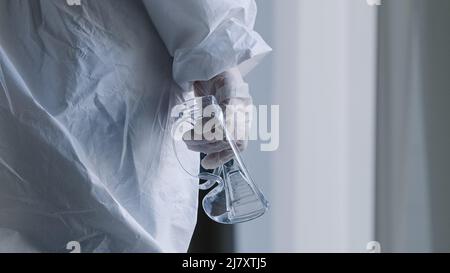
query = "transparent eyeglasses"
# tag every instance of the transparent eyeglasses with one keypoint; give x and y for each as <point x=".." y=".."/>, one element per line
<point x="233" y="197"/>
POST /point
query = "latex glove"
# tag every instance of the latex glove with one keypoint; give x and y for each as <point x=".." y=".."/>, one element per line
<point x="234" y="98"/>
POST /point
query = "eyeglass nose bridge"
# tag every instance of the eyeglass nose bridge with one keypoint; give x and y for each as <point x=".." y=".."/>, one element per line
<point x="211" y="180"/>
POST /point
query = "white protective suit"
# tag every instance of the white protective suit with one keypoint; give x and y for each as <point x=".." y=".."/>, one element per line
<point x="85" y="94"/>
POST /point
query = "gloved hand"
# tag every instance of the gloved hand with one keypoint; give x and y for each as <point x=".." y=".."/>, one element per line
<point x="234" y="98"/>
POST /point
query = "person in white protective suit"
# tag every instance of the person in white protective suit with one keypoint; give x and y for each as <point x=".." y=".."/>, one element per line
<point x="85" y="97"/>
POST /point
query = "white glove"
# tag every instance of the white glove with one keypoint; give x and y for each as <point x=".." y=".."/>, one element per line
<point x="233" y="96"/>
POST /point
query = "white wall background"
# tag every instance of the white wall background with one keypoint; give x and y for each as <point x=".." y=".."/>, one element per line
<point x="322" y="73"/>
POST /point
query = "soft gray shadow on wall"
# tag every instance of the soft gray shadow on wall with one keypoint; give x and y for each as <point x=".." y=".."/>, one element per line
<point x="436" y="94"/>
<point x="413" y="128"/>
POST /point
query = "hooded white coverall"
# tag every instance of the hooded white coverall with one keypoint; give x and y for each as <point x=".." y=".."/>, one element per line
<point x="85" y="96"/>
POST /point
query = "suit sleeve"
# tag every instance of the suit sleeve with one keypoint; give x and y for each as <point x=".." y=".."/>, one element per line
<point x="207" y="37"/>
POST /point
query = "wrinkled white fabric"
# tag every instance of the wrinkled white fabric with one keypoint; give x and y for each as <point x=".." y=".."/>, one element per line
<point x="85" y="94"/>
<point x="208" y="37"/>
